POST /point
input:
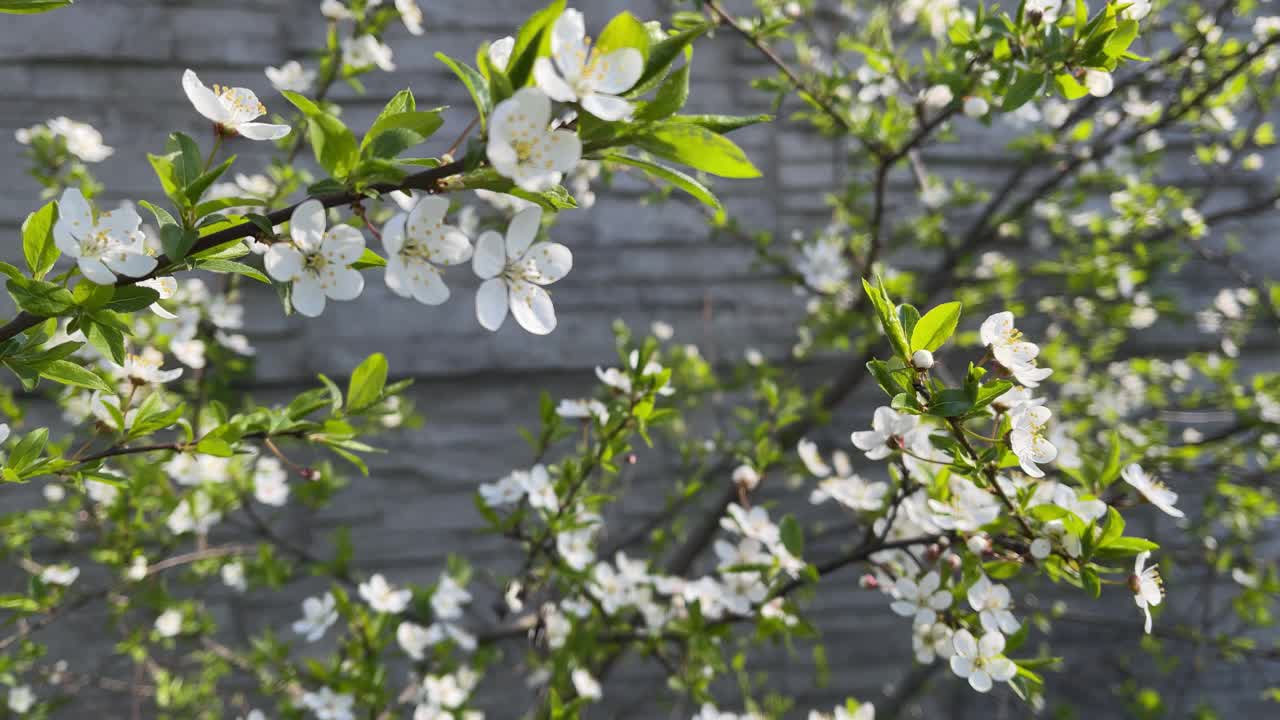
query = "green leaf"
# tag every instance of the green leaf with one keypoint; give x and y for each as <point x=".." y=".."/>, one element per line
<point x="131" y="298"/>
<point x="301" y="102"/>
<point x="39" y="297"/>
<point x="722" y="124"/>
<point x="215" y="446"/>
<point x="1114" y="529"/>
<point x="475" y="83"/>
<point x="671" y="96"/>
<point x="393" y="134"/>
<point x="69" y="373"/>
<point x="1130" y="545"/>
<point x="107" y="339"/>
<point x="936" y="327"/>
<point x="231" y="266"/>
<point x="1070" y="87"/>
<point x="37" y="240"/>
<point x="29" y="7"/>
<point x="952" y="402"/>
<point x="909" y="316"/>
<point x="624" y="31"/>
<point x="792" y="535"/>
<point x="1120" y="40"/>
<point x="1022" y="90"/>
<point x="674" y="177"/>
<point x="888" y="319"/>
<point x="367" y="382"/>
<point x="699" y="148"/>
<point x="532" y="40"/>
<point x="197" y="187"/>
<point x="176" y="242"/>
<point x="893" y="383"/>
<point x="369" y="259"/>
<point x="187" y="163"/>
<point x="333" y="144"/>
<point x="663" y="53"/>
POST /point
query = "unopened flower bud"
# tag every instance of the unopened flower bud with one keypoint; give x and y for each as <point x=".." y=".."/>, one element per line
<point x="922" y="359"/>
<point x="309" y="474"/>
<point x="746" y="477"/>
<point x="1040" y="548"/>
<point x="933" y="552"/>
<point x="632" y="459"/>
<point x="954" y="561"/>
<point x="978" y="544"/>
<point x="976" y="107"/>
<point x="869" y="582"/>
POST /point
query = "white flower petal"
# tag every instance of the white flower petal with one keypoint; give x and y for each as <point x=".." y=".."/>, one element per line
<point x="96" y="271"/>
<point x="532" y="307"/>
<point x="342" y="245"/>
<point x="607" y="107"/>
<point x="619" y="70"/>
<point x="262" y="131"/>
<point x="308" y="296"/>
<point x="206" y="102"/>
<point x="346" y="284"/>
<point x="550" y="82"/>
<point x="306" y="225"/>
<point x="490" y="256"/>
<point x="522" y="231"/>
<point x="491" y="303"/>
<point x="283" y="262"/>
<point x="393" y="235"/>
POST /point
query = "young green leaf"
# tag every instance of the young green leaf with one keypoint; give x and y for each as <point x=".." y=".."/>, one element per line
<point x="37" y="240"/>
<point x="699" y="148"/>
<point x="367" y="382"/>
<point x="936" y="327"/>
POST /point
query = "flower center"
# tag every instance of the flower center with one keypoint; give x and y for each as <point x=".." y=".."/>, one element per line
<point x="96" y="243"/>
<point x="315" y="263"/>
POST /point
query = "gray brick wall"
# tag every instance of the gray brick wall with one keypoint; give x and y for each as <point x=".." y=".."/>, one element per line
<point x="117" y="63"/>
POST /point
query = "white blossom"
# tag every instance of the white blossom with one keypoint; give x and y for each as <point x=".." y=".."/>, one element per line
<point x="318" y="614"/>
<point x="981" y="661"/>
<point x="523" y="146"/>
<point x="887" y="431"/>
<point x="410" y="15"/>
<point x="586" y="76"/>
<point x="318" y="261"/>
<point x="921" y="600"/>
<point x="586" y="685"/>
<point x="976" y="107"/>
<point x="1153" y="490"/>
<point x="232" y="109"/>
<point x="21" y="699"/>
<point x="270" y="483"/>
<point x="232" y="574"/>
<point x="384" y="597"/>
<point x="1147" y="588"/>
<point x="169" y="623"/>
<point x="82" y="139"/>
<point x="366" y="51"/>
<point x="416" y="243"/>
<point x="104" y="247"/>
<point x="62" y="575"/>
<point x="992" y="603"/>
<point x="1029" y="442"/>
<point x="328" y="705"/>
<point x="1011" y="351"/>
<point x="1098" y="82"/>
<point x="514" y="270"/>
<point x="291" y="77"/>
<point x="145" y="368"/>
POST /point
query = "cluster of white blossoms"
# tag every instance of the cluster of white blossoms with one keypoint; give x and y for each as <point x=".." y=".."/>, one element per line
<point x="448" y="601"/>
<point x="524" y="145"/>
<point x="82" y="139"/>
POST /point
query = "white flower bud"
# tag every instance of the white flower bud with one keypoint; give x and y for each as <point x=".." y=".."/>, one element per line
<point x="978" y="544"/>
<point x="1040" y="548"/>
<point x="976" y="107"/>
<point x="746" y="476"/>
<point x="1099" y="82"/>
<point x="922" y="359"/>
<point x="937" y="97"/>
